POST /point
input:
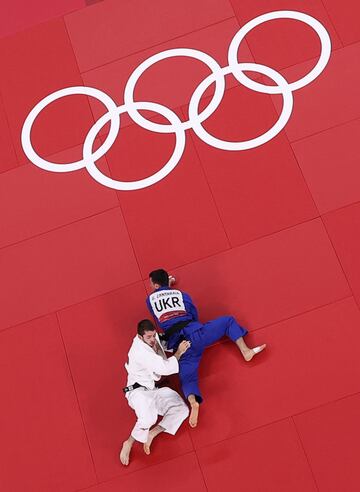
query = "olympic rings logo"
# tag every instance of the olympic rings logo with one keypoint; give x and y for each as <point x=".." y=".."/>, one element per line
<point x="195" y="120"/>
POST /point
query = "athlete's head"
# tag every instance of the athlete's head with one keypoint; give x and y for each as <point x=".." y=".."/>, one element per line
<point x="147" y="332"/>
<point x="159" y="278"/>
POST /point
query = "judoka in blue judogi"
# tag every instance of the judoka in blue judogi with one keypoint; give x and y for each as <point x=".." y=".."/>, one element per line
<point x="177" y="316"/>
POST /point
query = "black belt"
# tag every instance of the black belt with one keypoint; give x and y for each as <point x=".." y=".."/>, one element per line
<point x="133" y="387"/>
<point x="174" y="329"/>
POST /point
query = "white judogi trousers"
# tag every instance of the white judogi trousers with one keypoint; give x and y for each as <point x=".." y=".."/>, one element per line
<point x="149" y="404"/>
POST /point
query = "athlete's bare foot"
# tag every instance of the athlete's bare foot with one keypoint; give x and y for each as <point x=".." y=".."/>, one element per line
<point x="194" y="414"/>
<point x="249" y="354"/>
<point x="152" y="434"/>
<point x="172" y="280"/>
<point x="147" y="447"/>
<point x="125" y="452"/>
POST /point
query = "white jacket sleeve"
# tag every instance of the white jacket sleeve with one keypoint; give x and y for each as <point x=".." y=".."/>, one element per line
<point x="160" y="366"/>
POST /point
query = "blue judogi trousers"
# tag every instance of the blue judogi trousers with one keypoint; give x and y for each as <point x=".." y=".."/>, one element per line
<point x="201" y="336"/>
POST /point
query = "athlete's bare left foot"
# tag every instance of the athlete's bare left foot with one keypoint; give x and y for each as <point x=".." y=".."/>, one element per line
<point x="147" y="445"/>
<point x="125" y="453"/>
<point x="249" y="354"/>
<point x="194" y="414"/>
<point x="152" y="434"/>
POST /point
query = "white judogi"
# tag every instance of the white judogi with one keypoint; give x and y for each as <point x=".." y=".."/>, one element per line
<point x="145" y="367"/>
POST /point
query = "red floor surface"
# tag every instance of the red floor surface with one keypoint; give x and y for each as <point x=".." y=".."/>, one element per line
<point x="270" y="235"/>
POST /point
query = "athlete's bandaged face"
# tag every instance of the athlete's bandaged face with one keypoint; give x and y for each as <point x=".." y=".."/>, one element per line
<point x="149" y="337"/>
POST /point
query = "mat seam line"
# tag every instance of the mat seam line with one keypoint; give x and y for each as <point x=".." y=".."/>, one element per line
<point x="282" y="419"/>
<point x="332" y="22"/>
<point x="76" y="396"/>
<point x="157" y="44"/>
<point x="320" y="216"/>
<point x="208" y="185"/>
<point x="305" y="453"/>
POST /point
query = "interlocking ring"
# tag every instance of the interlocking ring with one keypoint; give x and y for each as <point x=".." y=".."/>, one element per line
<point x="89" y="157"/>
<point x="186" y="125"/>
<point x="255" y="142"/>
<point x="68" y="91"/>
<point x="195" y="120"/>
<point x="285" y="14"/>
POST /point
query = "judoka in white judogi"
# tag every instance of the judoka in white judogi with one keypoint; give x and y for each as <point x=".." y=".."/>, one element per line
<point x="147" y="362"/>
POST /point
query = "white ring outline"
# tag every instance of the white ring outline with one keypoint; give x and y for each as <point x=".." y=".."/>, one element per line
<point x="195" y="119"/>
<point x="145" y="182"/>
<point x="137" y="73"/>
<point x="68" y="91"/>
<point x="254" y="142"/>
<point x="280" y="14"/>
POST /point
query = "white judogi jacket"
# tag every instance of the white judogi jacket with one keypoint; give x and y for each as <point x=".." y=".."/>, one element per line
<point x="145" y="366"/>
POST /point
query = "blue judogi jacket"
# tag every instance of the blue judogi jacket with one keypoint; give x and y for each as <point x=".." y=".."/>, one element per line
<point x="169" y="306"/>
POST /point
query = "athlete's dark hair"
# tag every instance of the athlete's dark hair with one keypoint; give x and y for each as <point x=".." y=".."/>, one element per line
<point x="160" y="277"/>
<point x="145" y="325"/>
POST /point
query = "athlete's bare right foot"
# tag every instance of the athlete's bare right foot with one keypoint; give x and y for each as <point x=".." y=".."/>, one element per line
<point x="249" y="354"/>
<point x="194" y="414"/>
<point x="125" y="453"/>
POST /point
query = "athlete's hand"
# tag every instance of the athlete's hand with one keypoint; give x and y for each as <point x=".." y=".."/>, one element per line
<point x="182" y="348"/>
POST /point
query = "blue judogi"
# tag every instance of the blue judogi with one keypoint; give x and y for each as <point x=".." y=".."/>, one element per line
<point x="170" y="306"/>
